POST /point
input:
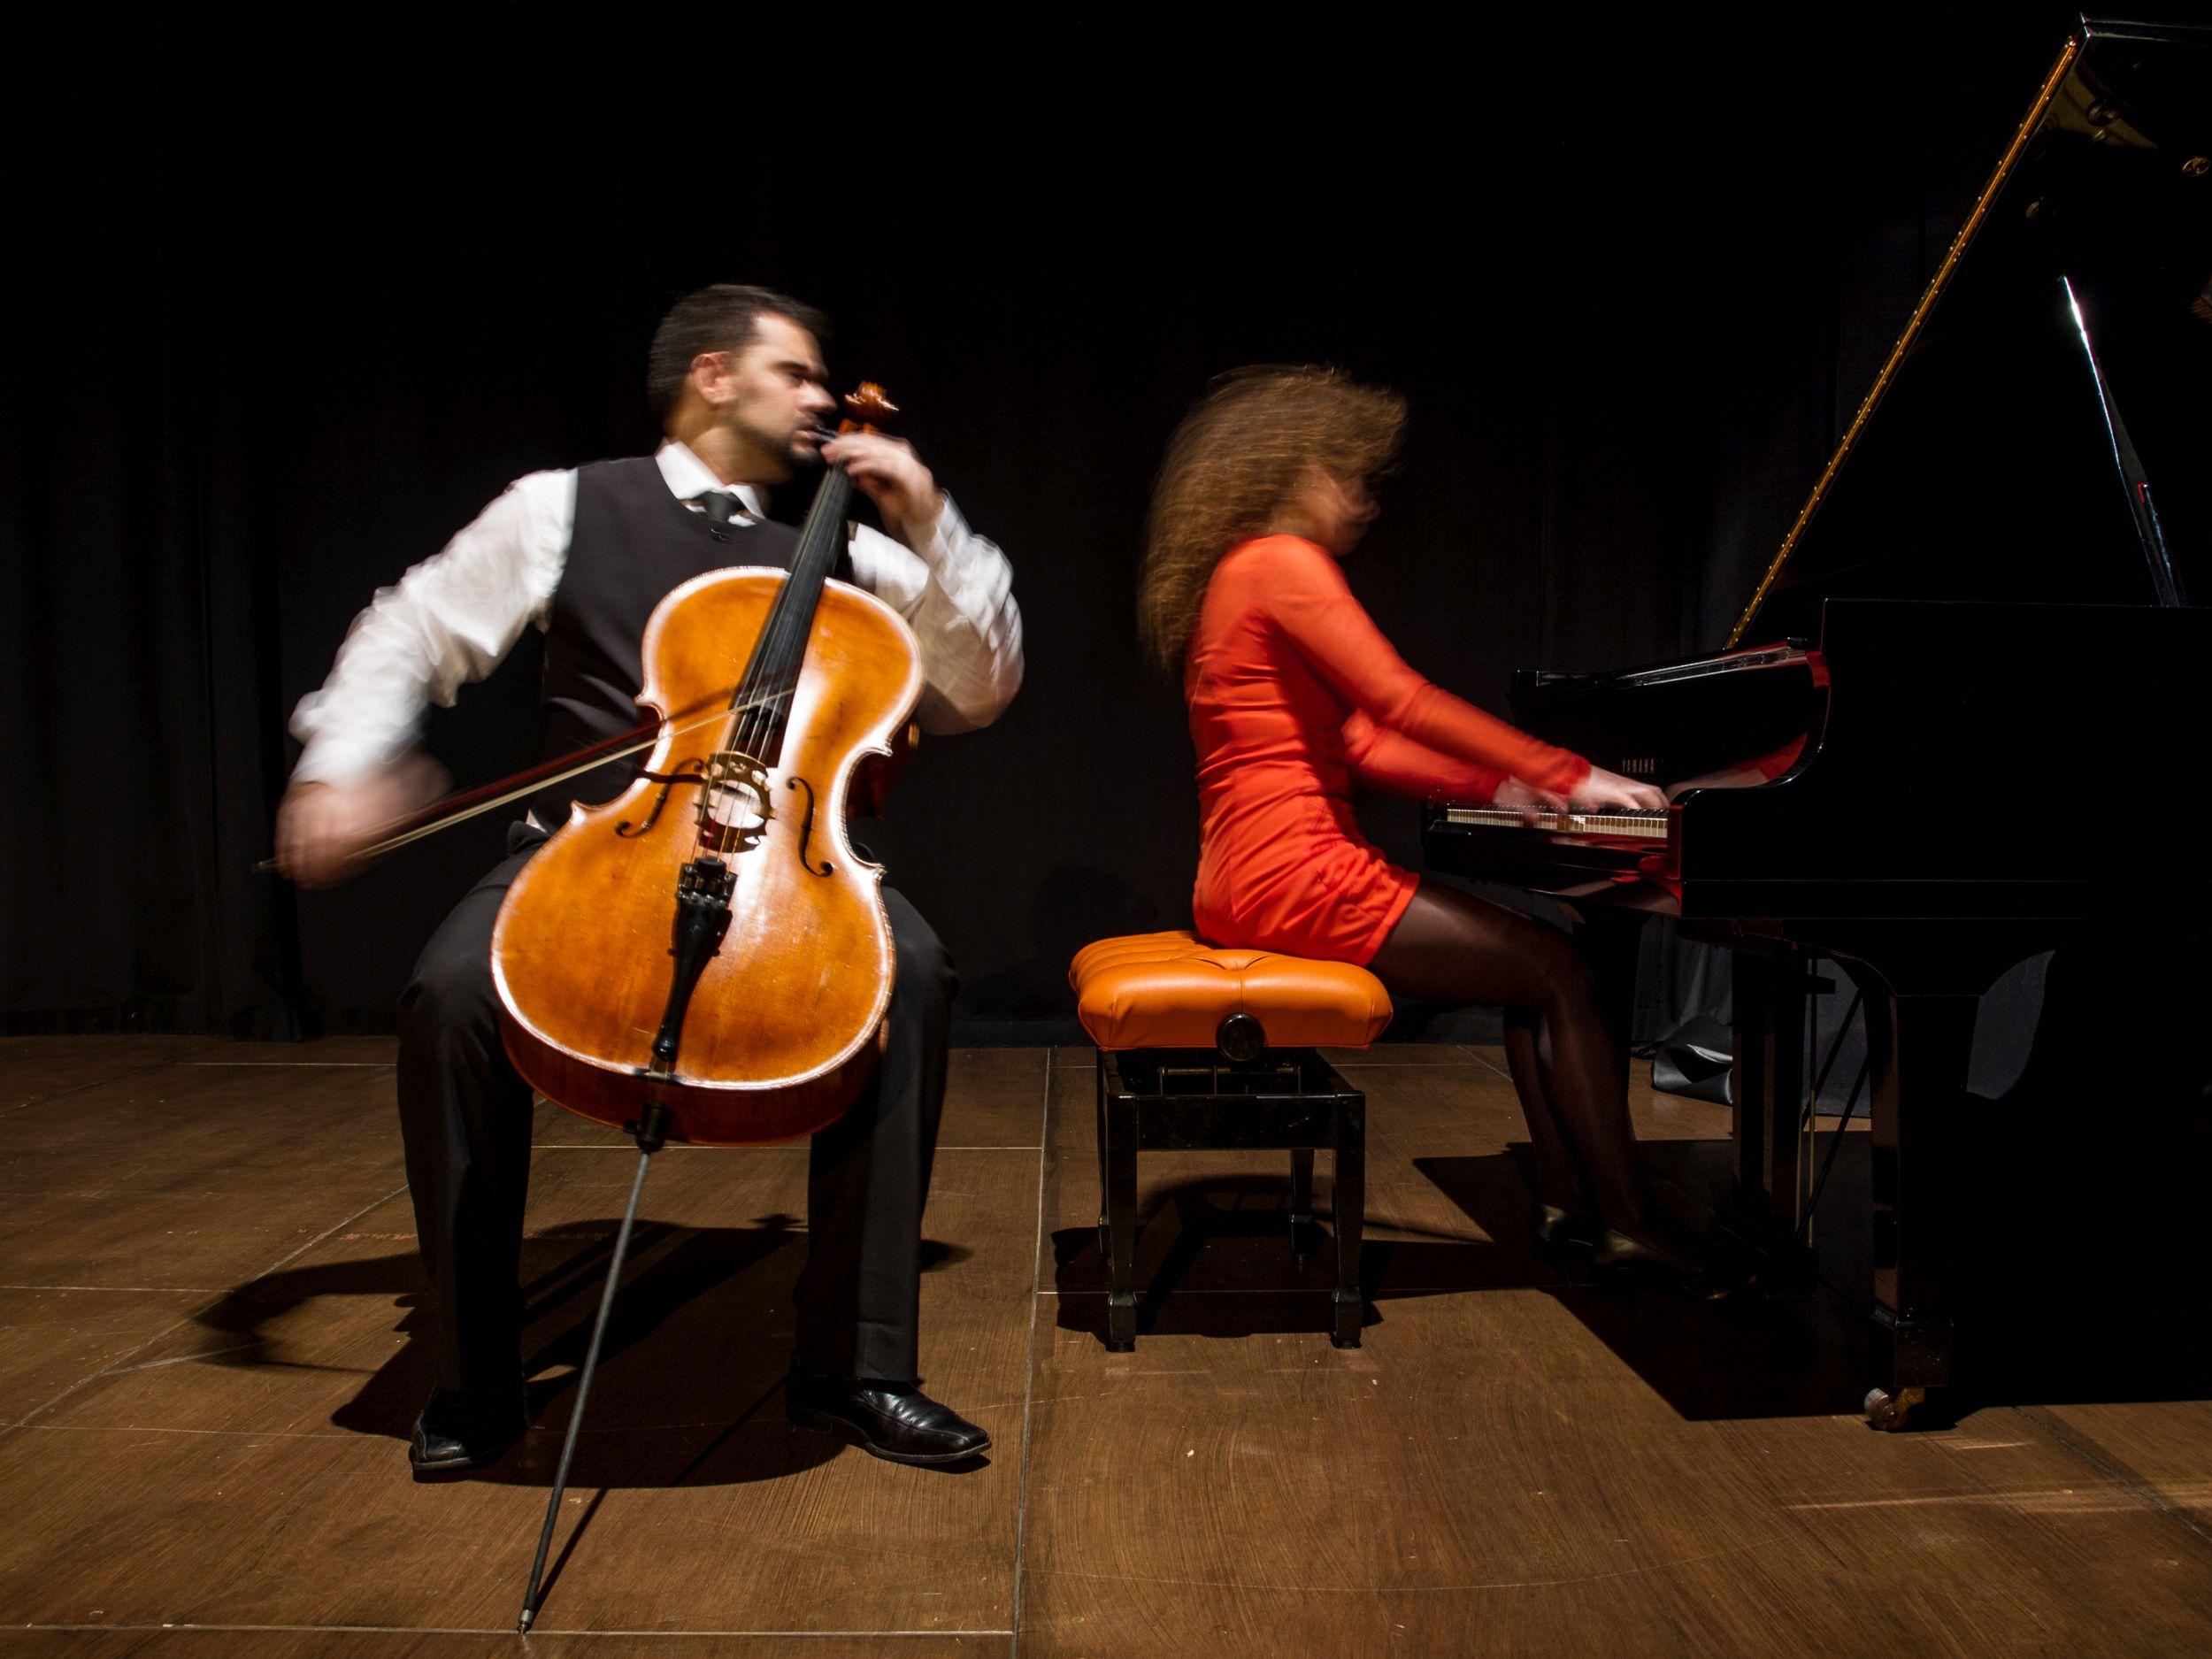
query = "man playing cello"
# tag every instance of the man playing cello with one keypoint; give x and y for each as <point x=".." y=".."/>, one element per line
<point x="586" y="554"/>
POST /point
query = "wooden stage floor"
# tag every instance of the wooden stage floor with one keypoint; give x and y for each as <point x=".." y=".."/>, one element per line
<point x="208" y="1367"/>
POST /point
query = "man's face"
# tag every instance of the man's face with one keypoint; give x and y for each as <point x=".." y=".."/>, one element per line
<point x="779" y="393"/>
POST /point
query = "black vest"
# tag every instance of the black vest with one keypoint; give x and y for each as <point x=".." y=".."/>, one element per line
<point x="634" y="544"/>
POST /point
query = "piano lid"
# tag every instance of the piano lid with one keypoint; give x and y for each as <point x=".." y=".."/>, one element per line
<point x="2060" y="362"/>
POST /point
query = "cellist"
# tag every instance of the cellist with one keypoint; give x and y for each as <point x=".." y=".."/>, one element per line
<point x="736" y="375"/>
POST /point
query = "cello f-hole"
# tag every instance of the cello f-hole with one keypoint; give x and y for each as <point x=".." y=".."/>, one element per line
<point x="806" y="831"/>
<point x="686" y="771"/>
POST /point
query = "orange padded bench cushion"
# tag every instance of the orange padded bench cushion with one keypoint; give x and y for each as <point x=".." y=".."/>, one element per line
<point x="1172" y="991"/>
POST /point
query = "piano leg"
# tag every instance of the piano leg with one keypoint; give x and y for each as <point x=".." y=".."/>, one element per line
<point x="1767" y="1085"/>
<point x="1611" y="941"/>
<point x="1919" y="1046"/>
<point x="1751" y="993"/>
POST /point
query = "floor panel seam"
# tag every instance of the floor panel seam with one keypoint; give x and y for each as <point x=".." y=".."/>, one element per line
<point x="1385" y="1294"/>
<point x="118" y="1366"/>
<point x="611" y="1146"/>
<point x="97" y="1082"/>
<point x="501" y="1630"/>
<point x="1484" y="1059"/>
<point x="1029" y="1369"/>
<point x="2105" y="1463"/>
<point x="1411" y="1065"/>
<point x="135" y="1290"/>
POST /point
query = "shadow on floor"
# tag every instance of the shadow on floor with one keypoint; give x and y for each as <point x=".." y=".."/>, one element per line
<point x="1218" y="1257"/>
<point x="2059" y="1293"/>
<point x="689" y="1381"/>
<point x="1751" y="1357"/>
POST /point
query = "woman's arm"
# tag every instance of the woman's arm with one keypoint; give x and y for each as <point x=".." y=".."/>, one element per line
<point x="1304" y="592"/>
<point x="1395" y="763"/>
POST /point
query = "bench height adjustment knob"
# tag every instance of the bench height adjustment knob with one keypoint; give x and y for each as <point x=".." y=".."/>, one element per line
<point x="1240" y="1038"/>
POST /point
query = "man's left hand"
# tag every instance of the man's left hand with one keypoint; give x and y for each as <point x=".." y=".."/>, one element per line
<point x="895" y="479"/>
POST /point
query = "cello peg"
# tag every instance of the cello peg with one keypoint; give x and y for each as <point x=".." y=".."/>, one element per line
<point x="868" y="406"/>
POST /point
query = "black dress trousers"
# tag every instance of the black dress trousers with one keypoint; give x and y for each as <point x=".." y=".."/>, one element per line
<point x="465" y="1116"/>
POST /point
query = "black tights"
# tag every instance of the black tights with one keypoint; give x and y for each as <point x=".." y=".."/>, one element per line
<point x="1449" y="947"/>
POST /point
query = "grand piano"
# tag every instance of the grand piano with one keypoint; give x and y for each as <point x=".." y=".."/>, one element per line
<point x="1970" y="667"/>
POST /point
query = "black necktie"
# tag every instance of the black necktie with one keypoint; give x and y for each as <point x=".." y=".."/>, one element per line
<point x="719" y="506"/>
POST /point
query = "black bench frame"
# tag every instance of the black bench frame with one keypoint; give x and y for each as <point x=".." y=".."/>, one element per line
<point x="1189" y="1100"/>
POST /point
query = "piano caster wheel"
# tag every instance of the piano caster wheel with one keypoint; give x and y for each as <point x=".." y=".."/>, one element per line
<point x="1889" y="1413"/>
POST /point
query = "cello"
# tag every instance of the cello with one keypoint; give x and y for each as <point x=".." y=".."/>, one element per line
<point x="760" y="1017"/>
<point x="704" y="957"/>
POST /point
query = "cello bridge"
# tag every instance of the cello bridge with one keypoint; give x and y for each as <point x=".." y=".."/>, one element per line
<point x="734" y="807"/>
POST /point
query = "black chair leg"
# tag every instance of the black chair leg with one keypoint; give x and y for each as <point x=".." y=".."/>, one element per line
<point x="1317" y="1104"/>
<point x="1098" y="1133"/>
<point x="1351" y="1219"/>
<point x="1121" y="1224"/>
<point x="1304" y="1234"/>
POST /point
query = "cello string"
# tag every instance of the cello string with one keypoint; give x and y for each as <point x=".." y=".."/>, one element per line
<point x="774" y="651"/>
<point x="746" y="723"/>
<point x="799" y="627"/>
<point x="749" y="723"/>
<point x="752" y="723"/>
<point x="745" y="729"/>
<point x="782" y="649"/>
<point x="729" y="744"/>
<point x="771" y="676"/>
<point x="790" y="645"/>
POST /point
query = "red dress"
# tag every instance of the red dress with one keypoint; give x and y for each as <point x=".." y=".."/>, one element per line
<point x="1293" y="690"/>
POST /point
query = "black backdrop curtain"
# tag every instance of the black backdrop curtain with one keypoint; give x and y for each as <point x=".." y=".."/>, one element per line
<point x="287" y="317"/>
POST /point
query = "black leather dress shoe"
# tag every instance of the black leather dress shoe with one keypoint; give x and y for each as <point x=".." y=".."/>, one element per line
<point x="897" y="1421"/>
<point x="459" y="1432"/>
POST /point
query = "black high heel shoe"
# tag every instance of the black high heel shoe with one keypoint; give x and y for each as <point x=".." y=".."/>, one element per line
<point x="1553" y="1231"/>
<point x="1622" y="1256"/>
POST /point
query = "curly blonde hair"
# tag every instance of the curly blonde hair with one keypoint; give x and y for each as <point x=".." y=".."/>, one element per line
<point x="1242" y="453"/>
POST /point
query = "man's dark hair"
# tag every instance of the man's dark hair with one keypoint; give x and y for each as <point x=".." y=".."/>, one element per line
<point x="722" y="317"/>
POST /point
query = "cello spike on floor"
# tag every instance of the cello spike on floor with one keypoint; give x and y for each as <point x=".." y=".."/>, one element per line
<point x="651" y="1132"/>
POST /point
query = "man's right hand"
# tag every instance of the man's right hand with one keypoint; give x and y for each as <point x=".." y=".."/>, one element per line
<point x="1602" y="791"/>
<point x="323" y="830"/>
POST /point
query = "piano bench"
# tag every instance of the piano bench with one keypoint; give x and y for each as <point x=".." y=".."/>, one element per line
<point x="1203" y="1048"/>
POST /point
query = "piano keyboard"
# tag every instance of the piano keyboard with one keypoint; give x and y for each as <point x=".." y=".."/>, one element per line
<point x="1638" y="824"/>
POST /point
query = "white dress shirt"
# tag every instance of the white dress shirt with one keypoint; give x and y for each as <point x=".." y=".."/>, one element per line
<point x="452" y="618"/>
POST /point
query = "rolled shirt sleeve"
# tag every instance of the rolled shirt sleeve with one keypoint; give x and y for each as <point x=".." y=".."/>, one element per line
<point x="957" y="594"/>
<point x="448" y="621"/>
